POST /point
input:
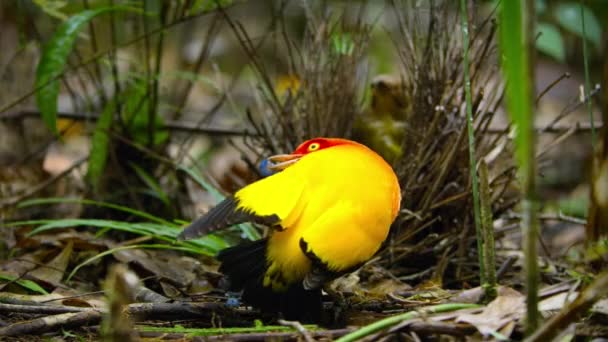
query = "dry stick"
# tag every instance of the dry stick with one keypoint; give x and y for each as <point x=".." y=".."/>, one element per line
<point x="54" y="322"/>
<point x="169" y="125"/>
<point x="299" y="327"/>
<point x="202" y="58"/>
<point x="68" y="316"/>
<point x="40" y="309"/>
<point x="506" y="265"/>
<point x="597" y="289"/>
<point x="100" y="54"/>
<point x="7" y="202"/>
<point x="581" y="127"/>
<point x="454" y="329"/>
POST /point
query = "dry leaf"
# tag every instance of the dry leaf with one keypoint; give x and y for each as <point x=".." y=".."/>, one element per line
<point x="508" y="307"/>
<point x="54" y="270"/>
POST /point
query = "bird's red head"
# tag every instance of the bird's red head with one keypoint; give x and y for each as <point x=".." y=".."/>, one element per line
<point x="318" y="144"/>
<point x="282" y="161"/>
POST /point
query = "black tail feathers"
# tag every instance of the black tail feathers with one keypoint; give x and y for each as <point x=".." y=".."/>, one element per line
<point x="245" y="265"/>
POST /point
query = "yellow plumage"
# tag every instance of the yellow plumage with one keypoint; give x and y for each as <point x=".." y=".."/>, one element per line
<point x="332" y="209"/>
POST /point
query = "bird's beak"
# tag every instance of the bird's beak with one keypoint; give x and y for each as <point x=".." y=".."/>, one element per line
<point x="280" y="162"/>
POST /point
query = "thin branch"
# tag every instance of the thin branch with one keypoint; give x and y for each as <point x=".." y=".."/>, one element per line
<point x="168" y="125"/>
<point x="7" y="202"/>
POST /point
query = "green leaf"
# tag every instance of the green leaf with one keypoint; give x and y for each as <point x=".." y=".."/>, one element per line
<point x="569" y="17"/>
<point x="151" y="183"/>
<point x="99" y="145"/>
<point x="54" y="60"/>
<point x="55" y="200"/>
<point x="208" y="245"/>
<point x="550" y="41"/>
<point x="53" y="8"/>
<point x="27" y="284"/>
<point x="516" y="71"/>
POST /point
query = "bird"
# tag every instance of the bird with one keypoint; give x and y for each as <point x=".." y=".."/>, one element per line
<point x="329" y="206"/>
<point x="383" y="125"/>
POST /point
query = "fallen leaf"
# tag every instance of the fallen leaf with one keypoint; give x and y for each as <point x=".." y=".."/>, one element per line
<point x="468" y="296"/>
<point x="601" y="307"/>
<point x="169" y="267"/>
<point x="556" y="302"/>
<point x="53" y="271"/>
<point x="508" y="307"/>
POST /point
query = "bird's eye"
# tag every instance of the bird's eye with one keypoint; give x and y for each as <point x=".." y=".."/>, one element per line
<point x="313" y="147"/>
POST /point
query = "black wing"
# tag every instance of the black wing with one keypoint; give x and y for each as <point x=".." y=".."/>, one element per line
<point x="223" y="215"/>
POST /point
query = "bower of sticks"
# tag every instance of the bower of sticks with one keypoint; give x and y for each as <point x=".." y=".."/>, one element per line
<point x="123" y="121"/>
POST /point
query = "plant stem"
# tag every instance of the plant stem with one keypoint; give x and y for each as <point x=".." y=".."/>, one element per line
<point x="588" y="99"/>
<point x="472" y="161"/>
<point x="517" y="42"/>
<point x="393" y="320"/>
<point x="488" y="232"/>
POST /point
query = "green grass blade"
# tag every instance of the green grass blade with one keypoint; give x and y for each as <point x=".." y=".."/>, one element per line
<point x="25" y="283"/>
<point x="208" y="245"/>
<point x="54" y="60"/>
<point x="588" y="100"/>
<point x="471" y="136"/>
<point x="516" y="37"/>
<point x="56" y="200"/>
<point x="394" y="320"/>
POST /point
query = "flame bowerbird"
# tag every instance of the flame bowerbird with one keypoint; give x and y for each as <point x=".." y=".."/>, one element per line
<point x="329" y="205"/>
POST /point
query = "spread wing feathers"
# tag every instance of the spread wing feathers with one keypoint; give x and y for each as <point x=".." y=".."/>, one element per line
<point x="223" y="215"/>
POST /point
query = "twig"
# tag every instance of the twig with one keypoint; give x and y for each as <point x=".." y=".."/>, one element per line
<point x="505" y="267"/>
<point x="453" y="329"/>
<point x="471" y="135"/>
<point x="553" y="217"/>
<point x="66" y="316"/>
<point x="41" y="309"/>
<point x="299" y="327"/>
<point x="49" y="323"/>
<point x="551" y="85"/>
<point x="579" y="127"/>
<point x="7" y="202"/>
<point x="168" y="125"/>
<point x="597" y="289"/>
<point x="111" y="49"/>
